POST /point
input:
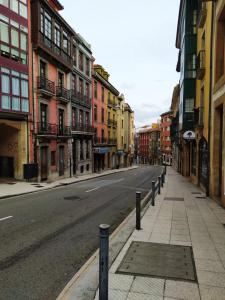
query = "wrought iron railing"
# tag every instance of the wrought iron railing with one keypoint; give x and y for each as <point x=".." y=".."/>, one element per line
<point x="44" y="84"/>
<point x="62" y="92"/>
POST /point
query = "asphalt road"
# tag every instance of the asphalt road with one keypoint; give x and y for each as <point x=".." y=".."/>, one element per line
<point x="49" y="235"/>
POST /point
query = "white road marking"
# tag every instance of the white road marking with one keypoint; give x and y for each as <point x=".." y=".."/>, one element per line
<point x="9" y="217"/>
<point x="92" y="190"/>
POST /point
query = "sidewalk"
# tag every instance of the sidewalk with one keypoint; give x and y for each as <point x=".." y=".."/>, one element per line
<point x="185" y="218"/>
<point x="17" y="188"/>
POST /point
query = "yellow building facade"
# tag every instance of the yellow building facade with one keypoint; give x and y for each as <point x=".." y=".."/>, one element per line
<point x="199" y="170"/>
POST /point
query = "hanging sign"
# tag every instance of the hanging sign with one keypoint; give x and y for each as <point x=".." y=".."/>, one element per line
<point x="189" y="135"/>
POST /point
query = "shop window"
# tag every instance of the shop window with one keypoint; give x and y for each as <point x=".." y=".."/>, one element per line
<point x="82" y="169"/>
<point x="87" y="167"/>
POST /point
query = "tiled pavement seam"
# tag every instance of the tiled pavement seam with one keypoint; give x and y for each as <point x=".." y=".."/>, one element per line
<point x="193" y="222"/>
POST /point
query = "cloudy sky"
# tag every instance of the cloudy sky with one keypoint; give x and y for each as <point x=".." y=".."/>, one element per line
<point x="135" y="42"/>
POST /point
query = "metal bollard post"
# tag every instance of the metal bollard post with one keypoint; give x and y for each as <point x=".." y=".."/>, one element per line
<point x="153" y="193"/>
<point x="104" y="262"/>
<point x="162" y="180"/>
<point x="159" y="189"/>
<point x="165" y="170"/>
<point x="138" y="210"/>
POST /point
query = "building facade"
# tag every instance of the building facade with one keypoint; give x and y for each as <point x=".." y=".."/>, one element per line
<point x="99" y="118"/>
<point x="81" y="104"/>
<point x="120" y="131"/>
<point x="128" y="135"/>
<point x="166" y="151"/>
<point x="143" y="144"/>
<point x="15" y="88"/>
<point x="186" y="42"/>
<point x="155" y="145"/>
<point x="217" y="140"/>
<point x="52" y="40"/>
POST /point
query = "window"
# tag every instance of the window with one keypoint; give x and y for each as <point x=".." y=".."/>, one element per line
<point x="81" y="151"/>
<point x="14" y="90"/>
<point x="74" y="55"/>
<point x="48" y="26"/>
<point x="74" y="114"/>
<point x="23" y="10"/>
<point x="43" y="116"/>
<point x="81" y="88"/>
<point x="61" y="120"/>
<point x="65" y="42"/>
<point x="81" y="66"/>
<point x="189" y="105"/>
<point x="87" y="67"/>
<point x="95" y="113"/>
<point x="14" y="6"/>
<point x="103" y="116"/>
<point x="81" y="117"/>
<point x="87" y="150"/>
<point x="4" y="2"/>
<point x="87" y="118"/>
<point x="95" y="90"/>
<point x="122" y="124"/>
<point x="42" y="69"/>
<point x="13" y="40"/>
<point x="190" y="66"/>
<point x="53" y="160"/>
<point x="57" y="36"/>
<point x="74" y="86"/>
<point x="103" y="94"/>
<point x="60" y="79"/>
<point x="87" y="90"/>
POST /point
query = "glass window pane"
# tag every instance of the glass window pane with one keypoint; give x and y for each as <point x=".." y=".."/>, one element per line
<point x="15" y="54"/>
<point x="14" y="5"/>
<point x="25" y="105"/>
<point x="5" y="84"/>
<point x="5" y="102"/>
<point x="15" y="103"/>
<point x="23" y="41"/>
<point x="15" y="38"/>
<point x="15" y="86"/>
<point x="23" y="10"/>
<point x="24" y="88"/>
<point x="4" y="32"/>
<point x="4" y="2"/>
<point x="23" y="57"/>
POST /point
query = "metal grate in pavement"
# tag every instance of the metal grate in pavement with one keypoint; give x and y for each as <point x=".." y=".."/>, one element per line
<point x="173" y="199"/>
<point x="159" y="260"/>
<point x="200" y="197"/>
<point x="196" y="193"/>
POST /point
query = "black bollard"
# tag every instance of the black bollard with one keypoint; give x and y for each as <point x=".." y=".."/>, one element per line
<point x="153" y="193"/>
<point x="104" y="262"/>
<point x="159" y="189"/>
<point x="138" y="210"/>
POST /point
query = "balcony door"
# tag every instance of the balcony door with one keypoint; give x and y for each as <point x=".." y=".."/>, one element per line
<point x="60" y="80"/>
<point x="61" y="120"/>
<point x="61" y="160"/>
<point x="43" y="112"/>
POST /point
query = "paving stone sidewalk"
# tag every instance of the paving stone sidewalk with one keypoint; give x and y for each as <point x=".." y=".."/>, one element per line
<point x="196" y="221"/>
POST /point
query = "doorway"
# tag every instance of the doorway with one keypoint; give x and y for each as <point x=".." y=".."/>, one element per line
<point x="44" y="163"/>
<point x="61" y="160"/>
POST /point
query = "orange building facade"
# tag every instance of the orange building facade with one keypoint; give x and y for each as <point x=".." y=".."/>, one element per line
<point x="166" y="151"/>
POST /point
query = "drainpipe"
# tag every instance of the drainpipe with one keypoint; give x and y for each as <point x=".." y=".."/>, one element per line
<point x="33" y="103"/>
<point x="210" y="99"/>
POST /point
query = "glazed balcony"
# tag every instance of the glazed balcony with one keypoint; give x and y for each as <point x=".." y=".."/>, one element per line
<point x="45" y="86"/>
<point x="202" y="13"/>
<point x="62" y="94"/>
<point x="114" y="123"/>
<point x="63" y="131"/>
<point x="80" y="99"/>
<point x="200" y="65"/>
<point x="110" y="122"/>
<point x="83" y="128"/>
<point x="46" y="129"/>
<point x="110" y="103"/>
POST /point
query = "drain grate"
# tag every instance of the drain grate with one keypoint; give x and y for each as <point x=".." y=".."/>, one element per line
<point x="159" y="260"/>
<point x="200" y="197"/>
<point x="173" y="199"/>
<point x="196" y="193"/>
<point x="72" y="198"/>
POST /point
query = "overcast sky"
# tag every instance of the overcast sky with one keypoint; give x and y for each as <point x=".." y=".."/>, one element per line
<point x="135" y="42"/>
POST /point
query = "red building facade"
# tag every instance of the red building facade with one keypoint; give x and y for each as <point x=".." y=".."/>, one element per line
<point x="144" y="142"/>
<point x="166" y="152"/>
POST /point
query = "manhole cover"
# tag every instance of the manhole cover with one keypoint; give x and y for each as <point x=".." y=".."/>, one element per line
<point x="159" y="260"/>
<point x="72" y="198"/>
<point x="173" y="199"/>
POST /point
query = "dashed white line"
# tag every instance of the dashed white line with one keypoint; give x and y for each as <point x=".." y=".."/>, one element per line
<point x="3" y="219"/>
<point x="92" y="190"/>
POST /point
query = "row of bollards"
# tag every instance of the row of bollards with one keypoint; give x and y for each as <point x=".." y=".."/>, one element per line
<point x="104" y="239"/>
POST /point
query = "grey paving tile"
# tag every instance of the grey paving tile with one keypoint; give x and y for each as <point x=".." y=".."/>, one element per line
<point x="209" y="265"/>
<point x="181" y="290"/>
<point x="118" y="295"/>
<point x="140" y="296"/>
<point x="152" y="286"/>
<point x="211" y="293"/>
<point x="120" y="282"/>
<point x="205" y="254"/>
<point x="211" y="278"/>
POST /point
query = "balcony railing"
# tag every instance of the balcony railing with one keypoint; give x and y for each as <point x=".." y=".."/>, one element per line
<point x="45" y="85"/>
<point x="81" y="99"/>
<point x="112" y="141"/>
<point x="63" y="130"/>
<point x="46" y="129"/>
<point x="202" y="13"/>
<point x="100" y="141"/>
<point x="200" y="65"/>
<point x="62" y="93"/>
<point x="114" y="123"/>
<point x="83" y="128"/>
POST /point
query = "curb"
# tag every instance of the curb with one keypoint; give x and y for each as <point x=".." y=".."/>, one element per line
<point x="81" y="272"/>
<point x="66" y="184"/>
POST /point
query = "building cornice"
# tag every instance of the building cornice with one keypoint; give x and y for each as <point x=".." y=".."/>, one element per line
<point x="108" y="85"/>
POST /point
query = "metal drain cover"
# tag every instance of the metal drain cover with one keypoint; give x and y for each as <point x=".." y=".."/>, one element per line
<point x="159" y="260"/>
<point x="173" y="199"/>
